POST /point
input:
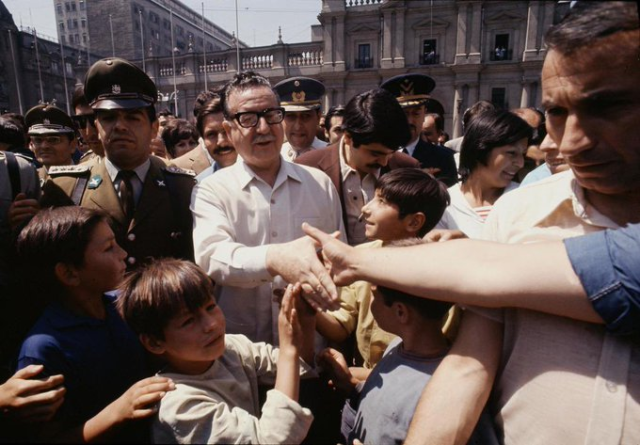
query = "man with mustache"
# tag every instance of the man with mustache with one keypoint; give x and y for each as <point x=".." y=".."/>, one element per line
<point x="217" y="151"/>
<point x="148" y="202"/>
<point x="412" y="92"/>
<point x="374" y="129"/>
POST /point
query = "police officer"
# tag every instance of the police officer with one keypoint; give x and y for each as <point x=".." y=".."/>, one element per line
<point x="301" y="98"/>
<point x="53" y="137"/>
<point x="147" y="200"/>
<point x="412" y="92"/>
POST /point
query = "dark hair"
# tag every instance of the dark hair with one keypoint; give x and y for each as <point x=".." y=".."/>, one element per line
<point x="375" y="116"/>
<point x="336" y="110"/>
<point x="212" y="106"/>
<point x="487" y="131"/>
<point x="55" y="235"/>
<point x="590" y="21"/>
<point x="165" y="112"/>
<point x="202" y="99"/>
<point x="176" y="130"/>
<point x="11" y="133"/>
<point x="438" y="119"/>
<point x="78" y="97"/>
<point x="475" y="110"/>
<point x="427" y="308"/>
<point x="414" y="190"/>
<point x="154" y="294"/>
<point x="241" y="82"/>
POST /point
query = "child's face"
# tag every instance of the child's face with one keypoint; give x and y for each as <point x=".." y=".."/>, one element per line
<point x="104" y="265"/>
<point x="383" y="220"/>
<point x="193" y="340"/>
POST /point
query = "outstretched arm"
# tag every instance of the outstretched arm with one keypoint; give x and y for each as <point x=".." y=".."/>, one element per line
<point x="533" y="276"/>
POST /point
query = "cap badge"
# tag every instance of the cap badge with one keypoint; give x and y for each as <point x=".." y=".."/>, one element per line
<point x="298" y="96"/>
<point x="406" y="88"/>
<point x="115" y="89"/>
<point x="46" y="121"/>
<point x="296" y="83"/>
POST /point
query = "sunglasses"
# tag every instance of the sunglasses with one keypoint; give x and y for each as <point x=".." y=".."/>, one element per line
<point x="81" y="120"/>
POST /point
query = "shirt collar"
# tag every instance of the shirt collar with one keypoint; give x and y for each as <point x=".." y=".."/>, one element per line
<point x="246" y="175"/>
<point x="412" y="146"/>
<point x="141" y="171"/>
<point x="63" y="318"/>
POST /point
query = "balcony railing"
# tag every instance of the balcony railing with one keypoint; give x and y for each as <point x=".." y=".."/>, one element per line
<point x="219" y="65"/>
<point x="353" y="3"/>
<point x="430" y="59"/>
<point x="500" y="54"/>
<point x="364" y="63"/>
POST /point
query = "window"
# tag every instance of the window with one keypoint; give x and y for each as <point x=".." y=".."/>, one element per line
<point x="67" y="7"/>
<point x="84" y="38"/>
<point x="499" y="98"/>
<point x="501" y="50"/>
<point x="63" y="39"/>
<point x="69" y="68"/>
<point x="429" y="54"/>
<point x="59" y="8"/>
<point x="61" y="26"/>
<point x="82" y="5"/>
<point x="364" y="59"/>
<point x="83" y="22"/>
<point x="75" y="24"/>
<point x="73" y="7"/>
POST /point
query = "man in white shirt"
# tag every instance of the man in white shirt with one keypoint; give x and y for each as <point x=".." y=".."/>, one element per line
<point x="247" y="214"/>
<point x="301" y="98"/>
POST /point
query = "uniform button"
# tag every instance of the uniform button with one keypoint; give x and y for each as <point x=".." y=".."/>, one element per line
<point x="131" y="260"/>
<point x="273" y="201"/>
<point x="274" y="234"/>
<point x="131" y="237"/>
<point x="355" y="197"/>
<point x="611" y="386"/>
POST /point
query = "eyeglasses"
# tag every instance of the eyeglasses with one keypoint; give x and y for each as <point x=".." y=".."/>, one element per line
<point x="249" y="119"/>
<point x="51" y="140"/>
<point x="81" y="120"/>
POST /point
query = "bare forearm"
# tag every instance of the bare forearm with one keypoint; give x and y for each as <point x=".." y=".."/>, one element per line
<point x="471" y="272"/>
<point x="288" y="376"/>
<point x="330" y="328"/>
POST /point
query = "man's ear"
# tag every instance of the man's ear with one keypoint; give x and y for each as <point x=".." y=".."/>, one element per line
<point x="67" y="274"/>
<point x="154" y="128"/>
<point x="152" y="344"/>
<point x="227" y="128"/>
<point x="414" y="222"/>
<point x="401" y="312"/>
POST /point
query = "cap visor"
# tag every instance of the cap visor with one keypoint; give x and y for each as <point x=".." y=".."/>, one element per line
<point x="41" y="131"/>
<point x="116" y="104"/>
<point x="294" y="108"/>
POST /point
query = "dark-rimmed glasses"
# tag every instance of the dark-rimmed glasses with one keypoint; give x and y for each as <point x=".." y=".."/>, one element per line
<point x="81" y="120"/>
<point x="249" y="119"/>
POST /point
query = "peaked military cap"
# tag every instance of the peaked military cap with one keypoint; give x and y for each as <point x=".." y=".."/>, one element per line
<point x="300" y="94"/>
<point x="47" y="119"/>
<point x="114" y="83"/>
<point x="410" y="89"/>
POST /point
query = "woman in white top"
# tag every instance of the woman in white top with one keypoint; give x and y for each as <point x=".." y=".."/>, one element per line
<point x="491" y="154"/>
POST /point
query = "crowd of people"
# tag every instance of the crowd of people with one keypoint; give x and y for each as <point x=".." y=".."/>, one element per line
<point x="267" y="273"/>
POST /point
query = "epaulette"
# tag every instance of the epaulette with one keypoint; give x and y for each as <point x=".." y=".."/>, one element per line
<point x="178" y="171"/>
<point x="69" y="169"/>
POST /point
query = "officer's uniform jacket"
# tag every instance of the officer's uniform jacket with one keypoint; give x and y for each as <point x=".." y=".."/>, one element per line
<point x="162" y="223"/>
<point x="196" y="160"/>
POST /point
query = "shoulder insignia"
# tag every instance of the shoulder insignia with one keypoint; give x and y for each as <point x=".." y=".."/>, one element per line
<point x="178" y="171"/>
<point x="95" y="182"/>
<point x="69" y="169"/>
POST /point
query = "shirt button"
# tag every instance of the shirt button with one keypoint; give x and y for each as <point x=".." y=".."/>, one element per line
<point x="131" y="260"/>
<point x="355" y="197"/>
<point x="131" y="237"/>
<point x="611" y="386"/>
<point x="274" y="234"/>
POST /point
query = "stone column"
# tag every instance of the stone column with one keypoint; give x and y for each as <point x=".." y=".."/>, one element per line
<point x="339" y="44"/>
<point x="530" y="48"/>
<point x="461" y="37"/>
<point x="526" y="94"/>
<point x="476" y="31"/>
<point x="457" y="111"/>
<point x="398" y="54"/>
<point x="386" y="60"/>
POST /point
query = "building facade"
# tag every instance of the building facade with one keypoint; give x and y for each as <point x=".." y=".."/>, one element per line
<point x="134" y="29"/>
<point x="474" y="49"/>
<point x="34" y="69"/>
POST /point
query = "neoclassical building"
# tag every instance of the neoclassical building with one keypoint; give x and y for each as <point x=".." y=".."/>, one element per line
<point x="474" y="49"/>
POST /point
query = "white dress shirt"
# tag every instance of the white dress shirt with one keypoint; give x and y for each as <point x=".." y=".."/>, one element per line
<point x="290" y="154"/>
<point x="237" y="216"/>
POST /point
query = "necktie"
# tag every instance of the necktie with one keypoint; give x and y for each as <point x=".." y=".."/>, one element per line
<point x="127" y="200"/>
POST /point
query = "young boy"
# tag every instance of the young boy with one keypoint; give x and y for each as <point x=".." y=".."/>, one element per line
<point x="72" y="255"/>
<point x="408" y="203"/>
<point x="170" y="304"/>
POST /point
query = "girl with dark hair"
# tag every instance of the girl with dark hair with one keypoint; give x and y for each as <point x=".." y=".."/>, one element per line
<point x="492" y="152"/>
